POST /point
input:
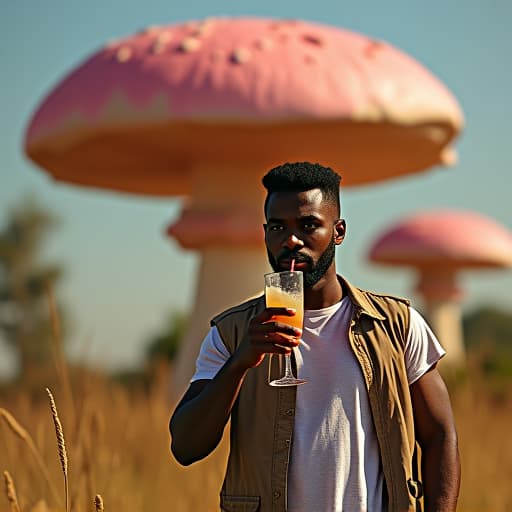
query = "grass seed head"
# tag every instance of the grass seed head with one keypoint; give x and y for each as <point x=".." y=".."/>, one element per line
<point x="10" y="491"/>
<point x="98" y="503"/>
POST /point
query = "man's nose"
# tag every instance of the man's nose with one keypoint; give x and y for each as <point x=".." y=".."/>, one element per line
<point x="292" y="241"/>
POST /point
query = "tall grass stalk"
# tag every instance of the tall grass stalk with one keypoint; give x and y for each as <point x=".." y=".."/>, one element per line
<point x="61" y="445"/>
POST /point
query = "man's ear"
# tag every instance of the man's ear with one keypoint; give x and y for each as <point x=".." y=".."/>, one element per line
<point x="340" y="229"/>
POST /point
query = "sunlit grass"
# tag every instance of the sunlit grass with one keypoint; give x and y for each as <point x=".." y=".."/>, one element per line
<point x="118" y="447"/>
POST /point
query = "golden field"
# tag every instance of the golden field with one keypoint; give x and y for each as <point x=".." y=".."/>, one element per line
<point x="117" y="446"/>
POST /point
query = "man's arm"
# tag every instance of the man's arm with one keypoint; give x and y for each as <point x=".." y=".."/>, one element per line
<point x="199" y="419"/>
<point x="436" y="434"/>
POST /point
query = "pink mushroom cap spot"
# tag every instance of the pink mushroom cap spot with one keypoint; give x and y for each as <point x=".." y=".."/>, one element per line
<point x="142" y="112"/>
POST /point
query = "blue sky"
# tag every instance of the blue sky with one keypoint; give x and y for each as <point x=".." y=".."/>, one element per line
<point x="123" y="275"/>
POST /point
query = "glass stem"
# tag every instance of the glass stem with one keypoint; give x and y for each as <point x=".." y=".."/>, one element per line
<point x="288" y="366"/>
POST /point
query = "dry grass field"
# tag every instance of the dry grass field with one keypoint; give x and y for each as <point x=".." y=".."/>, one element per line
<point x="116" y="443"/>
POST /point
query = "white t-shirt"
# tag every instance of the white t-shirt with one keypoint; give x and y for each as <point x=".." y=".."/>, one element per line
<point x="335" y="462"/>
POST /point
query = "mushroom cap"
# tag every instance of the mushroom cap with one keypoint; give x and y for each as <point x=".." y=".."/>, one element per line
<point x="446" y="239"/>
<point x="143" y="111"/>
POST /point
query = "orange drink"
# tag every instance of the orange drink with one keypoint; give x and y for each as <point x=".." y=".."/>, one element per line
<point x="277" y="297"/>
<point x="286" y="290"/>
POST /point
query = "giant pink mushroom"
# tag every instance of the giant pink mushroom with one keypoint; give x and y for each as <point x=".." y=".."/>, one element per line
<point x="439" y="244"/>
<point x="202" y="109"/>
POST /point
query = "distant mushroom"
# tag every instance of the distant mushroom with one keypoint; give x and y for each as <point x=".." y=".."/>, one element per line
<point x="439" y="244"/>
<point x="202" y="109"/>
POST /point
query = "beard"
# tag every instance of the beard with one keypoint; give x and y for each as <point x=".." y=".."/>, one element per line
<point x="316" y="272"/>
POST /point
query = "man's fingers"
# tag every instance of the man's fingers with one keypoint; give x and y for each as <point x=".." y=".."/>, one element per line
<point x="277" y="332"/>
<point x="270" y="336"/>
<point x="277" y="348"/>
<point x="269" y="313"/>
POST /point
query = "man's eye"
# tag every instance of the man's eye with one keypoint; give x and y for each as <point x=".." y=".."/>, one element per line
<point x="275" y="227"/>
<point x="309" y="226"/>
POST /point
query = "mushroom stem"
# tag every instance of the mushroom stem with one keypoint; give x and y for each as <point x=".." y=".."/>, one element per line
<point x="441" y="297"/>
<point x="222" y="220"/>
<point x="226" y="276"/>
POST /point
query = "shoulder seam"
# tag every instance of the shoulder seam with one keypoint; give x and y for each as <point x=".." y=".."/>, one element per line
<point x="251" y="303"/>
<point x="386" y="296"/>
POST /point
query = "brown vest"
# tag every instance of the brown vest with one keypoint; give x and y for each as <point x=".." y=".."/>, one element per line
<point x="262" y="418"/>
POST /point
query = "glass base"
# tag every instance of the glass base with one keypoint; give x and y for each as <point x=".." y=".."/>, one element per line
<point x="287" y="381"/>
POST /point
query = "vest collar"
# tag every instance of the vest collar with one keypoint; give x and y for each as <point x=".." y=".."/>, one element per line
<point x="359" y="300"/>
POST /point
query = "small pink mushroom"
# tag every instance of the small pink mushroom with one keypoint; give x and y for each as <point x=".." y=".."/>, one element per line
<point x="439" y="244"/>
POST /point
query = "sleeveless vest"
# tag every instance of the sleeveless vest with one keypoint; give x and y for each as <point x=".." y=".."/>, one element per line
<point x="262" y="418"/>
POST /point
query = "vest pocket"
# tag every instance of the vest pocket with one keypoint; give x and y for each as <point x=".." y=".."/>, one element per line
<point x="239" y="503"/>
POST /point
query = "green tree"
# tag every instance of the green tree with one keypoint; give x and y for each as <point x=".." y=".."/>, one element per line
<point x="488" y="332"/>
<point x="165" y="344"/>
<point x="24" y="280"/>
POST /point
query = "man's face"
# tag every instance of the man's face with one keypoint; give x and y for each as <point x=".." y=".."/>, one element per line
<point x="301" y="226"/>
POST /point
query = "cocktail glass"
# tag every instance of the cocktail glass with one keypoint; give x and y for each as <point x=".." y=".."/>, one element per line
<point x="286" y="289"/>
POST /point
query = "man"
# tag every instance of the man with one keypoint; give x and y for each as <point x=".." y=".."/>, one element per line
<point x="345" y="440"/>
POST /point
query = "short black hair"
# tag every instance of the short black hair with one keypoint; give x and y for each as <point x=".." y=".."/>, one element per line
<point x="302" y="176"/>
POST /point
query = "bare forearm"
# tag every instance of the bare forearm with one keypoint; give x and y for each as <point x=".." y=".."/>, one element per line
<point x="197" y="425"/>
<point x="437" y="436"/>
<point x="441" y="473"/>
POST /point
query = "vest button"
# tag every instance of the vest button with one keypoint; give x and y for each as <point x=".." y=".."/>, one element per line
<point x="289" y="412"/>
<point x="276" y="495"/>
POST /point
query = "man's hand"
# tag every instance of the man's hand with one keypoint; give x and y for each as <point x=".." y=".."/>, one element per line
<point x="267" y="336"/>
